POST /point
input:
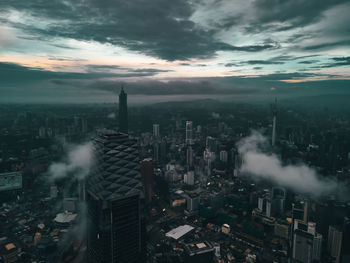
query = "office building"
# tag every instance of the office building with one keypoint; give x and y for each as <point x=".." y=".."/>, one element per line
<point x="193" y="202"/>
<point x="123" y="111"/>
<point x="302" y="246"/>
<point x="156" y="131"/>
<point x="223" y="156"/>
<point x="189" y="157"/>
<point x="307" y="243"/>
<point x="156" y="151"/>
<point x="335" y="238"/>
<point x="189" y="178"/>
<point x="115" y="231"/>
<point x="189" y="133"/>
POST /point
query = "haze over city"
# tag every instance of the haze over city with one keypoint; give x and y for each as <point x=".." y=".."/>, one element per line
<point x="175" y="131"/>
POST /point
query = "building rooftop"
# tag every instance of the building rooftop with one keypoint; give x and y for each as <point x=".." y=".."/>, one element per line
<point x="180" y="231"/>
<point x="10" y="246"/>
<point x="117" y="172"/>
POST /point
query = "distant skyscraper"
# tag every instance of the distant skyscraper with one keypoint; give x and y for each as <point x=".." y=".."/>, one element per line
<point x="189" y="132"/>
<point x="189" y="178"/>
<point x="223" y="156"/>
<point x="189" y="156"/>
<point x="115" y="231"/>
<point x="123" y="111"/>
<point x="155" y="130"/>
<point x="335" y="237"/>
<point x="156" y="150"/>
<point x="211" y="144"/>
<point x="274" y="111"/>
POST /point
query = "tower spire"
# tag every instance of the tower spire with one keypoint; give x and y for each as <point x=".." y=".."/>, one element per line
<point x="123" y="111"/>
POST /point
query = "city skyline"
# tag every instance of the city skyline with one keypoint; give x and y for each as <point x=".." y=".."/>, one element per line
<point x="172" y="50"/>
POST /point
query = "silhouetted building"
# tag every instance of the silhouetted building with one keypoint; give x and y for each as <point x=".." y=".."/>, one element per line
<point x="123" y="111"/>
<point x="115" y="231"/>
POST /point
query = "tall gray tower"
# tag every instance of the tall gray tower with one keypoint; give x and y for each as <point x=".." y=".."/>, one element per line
<point x="123" y="111"/>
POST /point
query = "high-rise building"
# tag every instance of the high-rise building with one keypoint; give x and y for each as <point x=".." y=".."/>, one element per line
<point x="189" y="178"/>
<point x="189" y="157"/>
<point x="307" y="243"/>
<point x="335" y="238"/>
<point x="223" y="156"/>
<point x="193" y="202"/>
<point x="156" y="130"/>
<point x="211" y="144"/>
<point x="114" y="196"/>
<point x="156" y="151"/>
<point x="317" y="247"/>
<point x="123" y="111"/>
<point x="302" y="246"/>
<point x="189" y="132"/>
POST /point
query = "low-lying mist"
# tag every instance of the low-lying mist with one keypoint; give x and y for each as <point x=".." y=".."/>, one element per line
<point x="260" y="163"/>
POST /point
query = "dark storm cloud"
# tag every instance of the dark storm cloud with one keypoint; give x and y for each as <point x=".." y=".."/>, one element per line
<point x="11" y="73"/>
<point x="296" y="12"/>
<point x="157" y="28"/>
<point x="337" y="62"/>
<point x="308" y="61"/>
<point x="272" y="61"/>
<point x="263" y="62"/>
<point x="328" y="45"/>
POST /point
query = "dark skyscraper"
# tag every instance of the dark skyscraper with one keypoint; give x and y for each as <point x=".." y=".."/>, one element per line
<point x="114" y="195"/>
<point x="123" y="111"/>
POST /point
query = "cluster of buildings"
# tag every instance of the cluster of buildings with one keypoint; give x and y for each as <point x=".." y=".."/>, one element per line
<point x="170" y="193"/>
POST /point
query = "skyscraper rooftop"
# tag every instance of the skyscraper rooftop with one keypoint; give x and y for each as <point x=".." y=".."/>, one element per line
<point x="116" y="172"/>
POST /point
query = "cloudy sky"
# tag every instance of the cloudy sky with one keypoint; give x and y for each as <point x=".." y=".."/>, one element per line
<point x="82" y="50"/>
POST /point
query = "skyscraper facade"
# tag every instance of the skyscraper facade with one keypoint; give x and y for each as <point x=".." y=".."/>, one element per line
<point x="189" y="157"/>
<point x="123" y="112"/>
<point x="114" y="196"/>
<point x="335" y="238"/>
<point x="156" y="130"/>
<point x="189" y="132"/>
